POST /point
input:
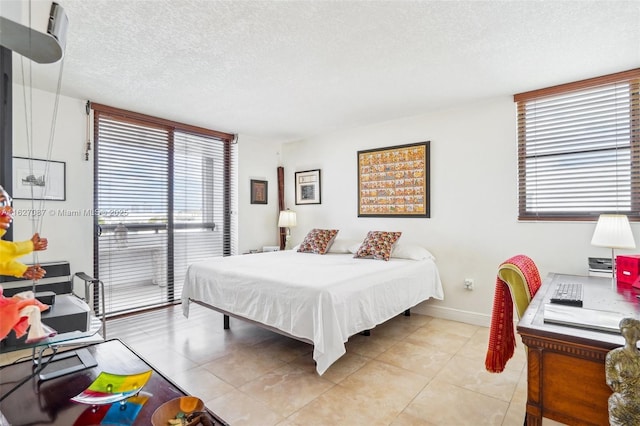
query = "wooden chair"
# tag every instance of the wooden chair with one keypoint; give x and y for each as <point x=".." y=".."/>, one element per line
<point x="522" y="278"/>
<point x="521" y="290"/>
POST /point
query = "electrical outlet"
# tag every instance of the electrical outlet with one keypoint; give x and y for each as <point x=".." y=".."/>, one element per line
<point x="468" y="283"/>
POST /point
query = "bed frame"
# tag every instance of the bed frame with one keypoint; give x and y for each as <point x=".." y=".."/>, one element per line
<point x="324" y="311"/>
<point x="226" y="325"/>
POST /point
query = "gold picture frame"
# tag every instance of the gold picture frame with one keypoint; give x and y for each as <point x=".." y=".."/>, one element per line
<point x="394" y="181"/>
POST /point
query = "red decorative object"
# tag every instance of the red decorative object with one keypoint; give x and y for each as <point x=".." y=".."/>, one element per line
<point x="628" y="269"/>
<point x="502" y="340"/>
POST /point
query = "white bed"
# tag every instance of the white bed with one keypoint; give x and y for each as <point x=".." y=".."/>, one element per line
<point x="322" y="299"/>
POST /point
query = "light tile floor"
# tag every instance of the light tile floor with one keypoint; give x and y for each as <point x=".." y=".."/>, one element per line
<point x="415" y="370"/>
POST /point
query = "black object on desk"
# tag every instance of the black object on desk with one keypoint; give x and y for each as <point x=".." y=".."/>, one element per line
<point x="568" y="293"/>
<point x="46" y="297"/>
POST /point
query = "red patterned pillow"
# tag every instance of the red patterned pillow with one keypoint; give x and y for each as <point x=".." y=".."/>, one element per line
<point x="318" y="241"/>
<point x="378" y="245"/>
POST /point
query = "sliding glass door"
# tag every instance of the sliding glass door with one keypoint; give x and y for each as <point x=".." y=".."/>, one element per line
<point x="162" y="201"/>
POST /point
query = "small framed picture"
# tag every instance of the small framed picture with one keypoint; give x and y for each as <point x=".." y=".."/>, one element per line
<point x="38" y="179"/>
<point x="308" y="187"/>
<point x="259" y="193"/>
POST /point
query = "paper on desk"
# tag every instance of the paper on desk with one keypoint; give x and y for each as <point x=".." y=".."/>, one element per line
<point x="583" y="318"/>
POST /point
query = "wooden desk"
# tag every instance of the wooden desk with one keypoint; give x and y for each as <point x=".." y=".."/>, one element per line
<point x="36" y="403"/>
<point x="566" y="375"/>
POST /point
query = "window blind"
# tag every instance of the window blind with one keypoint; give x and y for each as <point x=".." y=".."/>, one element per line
<point x="578" y="149"/>
<point x="199" y="202"/>
<point x="162" y="201"/>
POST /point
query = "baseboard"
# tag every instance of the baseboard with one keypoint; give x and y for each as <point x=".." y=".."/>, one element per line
<point x="474" y="318"/>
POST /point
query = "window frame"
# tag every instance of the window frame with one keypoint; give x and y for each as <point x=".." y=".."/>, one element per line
<point x="521" y="99"/>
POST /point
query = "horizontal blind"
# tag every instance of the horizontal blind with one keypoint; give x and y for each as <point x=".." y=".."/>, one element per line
<point x="578" y="151"/>
<point x="199" y="201"/>
<point x="132" y="192"/>
<point x="162" y="200"/>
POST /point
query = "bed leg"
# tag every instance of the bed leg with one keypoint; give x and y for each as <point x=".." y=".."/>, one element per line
<point x="366" y="333"/>
<point x="407" y="313"/>
<point x="226" y="322"/>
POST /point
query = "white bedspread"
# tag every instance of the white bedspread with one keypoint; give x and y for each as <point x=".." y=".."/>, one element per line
<point x="322" y="298"/>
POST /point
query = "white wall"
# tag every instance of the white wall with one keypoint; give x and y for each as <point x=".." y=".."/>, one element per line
<point x="258" y="223"/>
<point x="70" y="237"/>
<point x="473" y="225"/>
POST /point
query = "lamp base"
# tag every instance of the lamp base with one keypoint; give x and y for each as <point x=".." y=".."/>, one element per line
<point x="287" y="242"/>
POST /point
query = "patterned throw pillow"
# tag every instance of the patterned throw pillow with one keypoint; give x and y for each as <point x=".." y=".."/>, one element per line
<point x="377" y="245"/>
<point x="318" y="241"/>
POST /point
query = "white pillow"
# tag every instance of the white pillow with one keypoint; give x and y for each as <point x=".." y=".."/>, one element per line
<point x="353" y="249"/>
<point x="343" y="245"/>
<point x="411" y="251"/>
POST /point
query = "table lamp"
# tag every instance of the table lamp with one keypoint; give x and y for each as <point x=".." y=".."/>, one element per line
<point x="613" y="231"/>
<point x="287" y="220"/>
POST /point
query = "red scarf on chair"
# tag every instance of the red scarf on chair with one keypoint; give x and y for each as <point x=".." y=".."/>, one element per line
<point x="502" y="340"/>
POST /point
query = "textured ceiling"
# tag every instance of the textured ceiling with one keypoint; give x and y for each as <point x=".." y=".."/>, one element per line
<point x="292" y="69"/>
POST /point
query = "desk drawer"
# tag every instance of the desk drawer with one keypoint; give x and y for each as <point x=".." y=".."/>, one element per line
<point x="575" y="387"/>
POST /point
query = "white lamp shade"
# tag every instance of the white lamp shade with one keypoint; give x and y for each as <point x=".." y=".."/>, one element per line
<point x="613" y="231"/>
<point x="287" y="219"/>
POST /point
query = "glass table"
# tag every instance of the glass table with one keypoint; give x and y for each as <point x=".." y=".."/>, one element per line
<point x="38" y="402"/>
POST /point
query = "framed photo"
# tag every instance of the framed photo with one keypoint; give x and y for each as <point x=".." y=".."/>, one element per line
<point x="38" y="179"/>
<point x="259" y="191"/>
<point x="394" y="181"/>
<point x="308" y="187"/>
